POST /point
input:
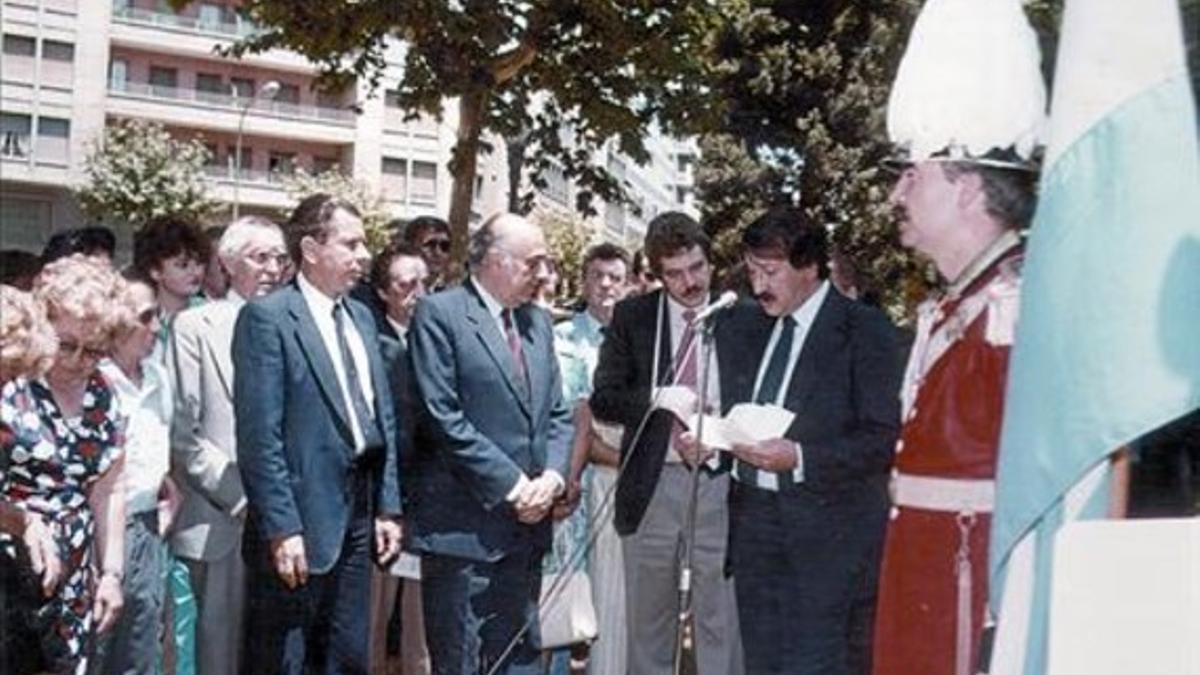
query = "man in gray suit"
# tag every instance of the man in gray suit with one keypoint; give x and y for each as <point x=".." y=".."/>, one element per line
<point x="491" y="454"/>
<point x="203" y="447"/>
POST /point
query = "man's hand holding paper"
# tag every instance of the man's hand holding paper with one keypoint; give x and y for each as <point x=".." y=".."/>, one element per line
<point x="746" y="424"/>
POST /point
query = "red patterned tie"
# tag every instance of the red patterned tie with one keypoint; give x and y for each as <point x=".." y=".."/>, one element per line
<point x="685" y="363"/>
<point x="514" y="346"/>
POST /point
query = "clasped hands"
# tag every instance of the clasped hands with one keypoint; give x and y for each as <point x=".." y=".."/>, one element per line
<point x="534" y="498"/>
<point x="291" y="562"/>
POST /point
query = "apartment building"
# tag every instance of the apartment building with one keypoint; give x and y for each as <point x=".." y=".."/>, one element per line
<point x="70" y="67"/>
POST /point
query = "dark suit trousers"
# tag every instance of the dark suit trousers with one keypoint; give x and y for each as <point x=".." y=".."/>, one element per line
<point x="474" y="610"/>
<point x="805" y="580"/>
<point x="320" y="628"/>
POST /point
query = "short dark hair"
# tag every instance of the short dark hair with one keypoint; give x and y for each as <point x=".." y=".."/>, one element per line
<point x="383" y="262"/>
<point x="418" y="226"/>
<point x="311" y="219"/>
<point x="785" y="232"/>
<point x="605" y="251"/>
<point x="86" y="240"/>
<point x="669" y="233"/>
<point x="1010" y="194"/>
<point x="18" y="268"/>
<point x="166" y="237"/>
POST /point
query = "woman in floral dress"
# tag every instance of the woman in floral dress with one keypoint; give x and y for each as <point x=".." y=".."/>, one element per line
<point x="61" y="462"/>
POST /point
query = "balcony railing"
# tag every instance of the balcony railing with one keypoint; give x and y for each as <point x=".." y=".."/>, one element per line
<point x="222" y="100"/>
<point x="257" y="177"/>
<point x="227" y="29"/>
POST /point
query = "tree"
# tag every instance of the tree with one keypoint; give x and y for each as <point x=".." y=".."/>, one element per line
<point x="375" y="215"/>
<point x="805" y="88"/>
<point x="568" y="238"/>
<point x="603" y="68"/>
<point x="137" y="171"/>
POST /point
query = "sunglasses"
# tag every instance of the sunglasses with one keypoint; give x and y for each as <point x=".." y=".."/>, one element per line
<point x="441" y="245"/>
<point x="75" y="349"/>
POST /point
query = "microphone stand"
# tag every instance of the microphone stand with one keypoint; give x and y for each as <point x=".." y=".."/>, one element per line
<point x="689" y="549"/>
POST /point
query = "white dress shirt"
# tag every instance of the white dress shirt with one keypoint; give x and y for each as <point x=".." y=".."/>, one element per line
<point x="321" y="307"/>
<point x="803" y="316"/>
<point x="147" y="410"/>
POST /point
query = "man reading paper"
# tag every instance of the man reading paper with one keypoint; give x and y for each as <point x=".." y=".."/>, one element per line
<point x="808" y="508"/>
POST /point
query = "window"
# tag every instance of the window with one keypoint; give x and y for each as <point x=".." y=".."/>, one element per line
<point x="324" y="164"/>
<point x="53" y="50"/>
<point x="556" y="183"/>
<point x="288" y="93"/>
<point x="53" y="127"/>
<point x="14" y="130"/>
<point x="53" y="135"/>
<point x="327" y="99"/>
<point x="424" y="182"/>
<point x="210" y="83"/>
<point x="19" y="45"/>
<point x="24" y="223"/>
<point x="118" y="74"/>
<point x="211" y="15"/>
<point x="164" y="81"/>
<point x="394" y="182"/>
<point x="247" y="163"/>
<point x="243" y="87"/>
<point x="281" y="164"/>
<point x="391" y="98"/>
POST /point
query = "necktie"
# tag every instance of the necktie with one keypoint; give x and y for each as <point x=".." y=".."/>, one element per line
<point x="514" y="346"/>
<point x="768" y="389"/>
<point x="685" y="355"/>
<point x="362" y="411"/>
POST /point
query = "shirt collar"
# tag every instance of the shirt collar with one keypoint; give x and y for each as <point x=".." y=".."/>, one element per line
<point x="235" y="299"/>
<point x="317" y="300"/>
<point x="493" y="305"/>
<point x="401" y="329"/>
<point x="675" y="310"/>
<point x="807" y="311"/>
<point x="980" y="264"/>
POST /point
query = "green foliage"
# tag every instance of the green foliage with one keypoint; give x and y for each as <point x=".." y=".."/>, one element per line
<point x="602" y="68"/>
<point x="568" y="238"/>
<point x="137" y="171"/>
<point x="368" y="202"/>
<point x="805" y="88"/>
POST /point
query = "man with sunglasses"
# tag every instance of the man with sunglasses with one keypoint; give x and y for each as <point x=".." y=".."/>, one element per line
<point x="204" y="450"/>
<point x="431" y="236"/>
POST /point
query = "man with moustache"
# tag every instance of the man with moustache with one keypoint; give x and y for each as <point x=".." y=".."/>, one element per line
<point x="493" y="453"/>
<point x="316" y="437"/>
<point x="808" y="508"/>
<point x="651" y="354"/>
<point x="252" y="254"/>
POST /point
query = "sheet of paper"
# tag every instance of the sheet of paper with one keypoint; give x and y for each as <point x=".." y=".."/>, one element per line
<point x="746" y="423"/>
<point x="677" y="399"/>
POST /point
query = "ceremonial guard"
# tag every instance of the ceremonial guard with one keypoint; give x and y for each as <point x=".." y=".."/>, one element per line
<point x="966" y="110"/>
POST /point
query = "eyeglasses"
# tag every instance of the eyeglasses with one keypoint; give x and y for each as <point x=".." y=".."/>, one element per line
<point x="147" y="316"/>
<point x="440" y="245"/>
<point x="75" y="349"/>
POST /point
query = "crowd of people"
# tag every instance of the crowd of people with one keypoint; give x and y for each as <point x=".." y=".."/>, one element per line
<point x="305" y="458"/>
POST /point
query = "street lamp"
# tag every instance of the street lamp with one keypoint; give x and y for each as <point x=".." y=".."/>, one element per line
<point x="267" y="91"/>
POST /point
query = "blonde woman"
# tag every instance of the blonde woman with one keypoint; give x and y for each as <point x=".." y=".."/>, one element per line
<point x="61" y="444"/>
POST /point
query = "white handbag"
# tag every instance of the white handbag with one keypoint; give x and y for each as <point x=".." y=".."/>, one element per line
<point x="566" y="613"/>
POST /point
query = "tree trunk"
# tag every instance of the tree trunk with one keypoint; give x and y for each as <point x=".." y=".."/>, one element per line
<point x="515" y="147"/>
<point x="471" y="109"/>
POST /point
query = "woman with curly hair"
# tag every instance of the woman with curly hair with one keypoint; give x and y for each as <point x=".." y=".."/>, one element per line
<point x="61" y="463"/>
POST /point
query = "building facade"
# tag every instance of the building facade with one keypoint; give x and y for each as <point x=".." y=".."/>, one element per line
<point x="71" y="67"/>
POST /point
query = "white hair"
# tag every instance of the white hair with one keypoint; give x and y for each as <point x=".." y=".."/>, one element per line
<point x="241" y="233"/>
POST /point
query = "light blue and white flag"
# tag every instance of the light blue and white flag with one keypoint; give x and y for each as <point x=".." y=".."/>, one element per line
<point x="1108" y="343"/>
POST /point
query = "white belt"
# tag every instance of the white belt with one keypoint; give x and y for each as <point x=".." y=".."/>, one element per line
<point x="953" y="495"/>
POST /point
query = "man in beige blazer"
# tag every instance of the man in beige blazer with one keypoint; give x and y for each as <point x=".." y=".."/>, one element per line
<point x="208" y="530"/>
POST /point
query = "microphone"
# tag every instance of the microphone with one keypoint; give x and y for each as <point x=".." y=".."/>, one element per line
<point x="727" y="299"/>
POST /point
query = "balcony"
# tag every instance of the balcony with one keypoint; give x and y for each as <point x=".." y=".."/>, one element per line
<point x="256" y="187"/>
<point x="340" y="116"/>
<point x="190" y="24"/>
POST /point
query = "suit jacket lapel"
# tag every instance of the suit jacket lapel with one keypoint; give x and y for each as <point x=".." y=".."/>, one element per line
<point x="661" y="328"/>
<point x="536" y="366"/>
<point x="495" y="343"/>
<point x="319" y="360"/>
<point x="821" y="340"/>
<point x="220" y="342"/>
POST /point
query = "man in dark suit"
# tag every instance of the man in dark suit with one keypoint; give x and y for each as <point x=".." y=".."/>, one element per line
<point x="650" y="357"/>
<point x="496" y="451"/>
<point x="316" y="434"/>
<point x="809" y="509"/>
